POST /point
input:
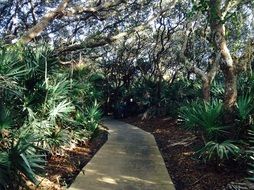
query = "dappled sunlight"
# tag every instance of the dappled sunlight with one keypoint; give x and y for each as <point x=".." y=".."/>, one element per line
<point x="184" y="142"/>
<point x="135" y="179"/>
<point x="108" y="180"/>
<point x="189" y="153"/>
<point x="72" y="71"/>
<point x="126" y="161"/>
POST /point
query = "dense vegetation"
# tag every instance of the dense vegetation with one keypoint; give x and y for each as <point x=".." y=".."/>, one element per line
<point x="43" y="108"/>
<point x="64" y="63"/>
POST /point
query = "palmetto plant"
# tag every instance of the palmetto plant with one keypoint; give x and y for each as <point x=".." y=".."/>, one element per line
<point x="93" y="116"/>
<point x="38" y="99"/>
<point x="38" y="61"/>
<point x="61" y="111"/>
<point x="203" y="116"/>
<point x="5" y="118"/>
<point x="10" y="70"/>
<point x="20" y="159"/>
<point x="218" y="151"/>
<point x="58" y="88"/>
<point x="245" y="106"/>
<point x="5" y="127"/>
<point x="4" y="167"/>
<point x="217" y="89"/>
<point x="58" y="137"/>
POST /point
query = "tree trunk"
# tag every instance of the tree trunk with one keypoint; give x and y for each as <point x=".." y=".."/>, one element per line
<point x="226" y="62"/>
<point x="230" y="89"/>
<point x="206" y="89"/>
<point x="159" y="90"/>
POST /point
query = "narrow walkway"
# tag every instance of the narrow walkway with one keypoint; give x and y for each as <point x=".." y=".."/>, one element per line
<point x="129" y="160"/>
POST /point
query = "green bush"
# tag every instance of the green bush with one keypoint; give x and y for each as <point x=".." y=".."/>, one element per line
<point x="245" y="106"/>
<point x="250" y="153"/>
<point x="92" y="117"/>
<point x="204" y="117"/>
<point x="20" y="158"/>
<point x="207" y="118"/>
<point x="218" y="151"/>
<point x="42" y="108"/>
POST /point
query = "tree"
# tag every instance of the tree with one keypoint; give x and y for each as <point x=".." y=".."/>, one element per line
<point x="218" y="32"/>
<point x="218" y="15"/>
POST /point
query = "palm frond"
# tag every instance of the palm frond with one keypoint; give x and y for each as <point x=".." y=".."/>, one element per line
<point x="61" y="110"/>
<point x="203" y="116"/>
<point x="245" y="106"/>
<point x="214" y="150"/>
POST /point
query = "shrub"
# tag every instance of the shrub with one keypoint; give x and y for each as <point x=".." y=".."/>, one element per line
<point x="42" y="107"/>
<point x="245" y="106"/>
<point x="21" y="158"/>
<point x="218" y="151"/>
<point x="204" y="117"/>
<point x="92" y="117"/>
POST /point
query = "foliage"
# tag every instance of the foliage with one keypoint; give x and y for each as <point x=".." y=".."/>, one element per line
<point x="180" y="93"/>
<point x="205" y="117"/>
<point x="21" y="158"/>
<point x="57" y="138"/>
<point x="217" y="89"/>
<point x="118" y="52"/>
<point x="38" y="111"/>
<point x="218" y="151"/>
<point x="144" y="92"/>
<point x="92" y="115"/>
<point x="245" y="106"/>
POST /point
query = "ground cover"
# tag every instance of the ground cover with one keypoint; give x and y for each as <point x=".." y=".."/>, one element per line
<point x="61" y="169"/>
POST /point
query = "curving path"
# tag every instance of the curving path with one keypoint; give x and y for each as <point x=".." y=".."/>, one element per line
<point x="129" y="160"/>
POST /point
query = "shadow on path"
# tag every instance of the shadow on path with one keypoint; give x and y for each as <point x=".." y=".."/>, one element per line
<point x="129" y="160"/>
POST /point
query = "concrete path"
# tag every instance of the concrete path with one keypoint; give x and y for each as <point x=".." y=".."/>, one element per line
<point x="129" y="160"/>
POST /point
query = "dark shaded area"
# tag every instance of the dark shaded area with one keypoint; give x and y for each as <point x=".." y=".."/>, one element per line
<point x="126" y="108"/>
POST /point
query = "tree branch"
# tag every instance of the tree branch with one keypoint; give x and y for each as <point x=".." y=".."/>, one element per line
<point x="44" y="22"/>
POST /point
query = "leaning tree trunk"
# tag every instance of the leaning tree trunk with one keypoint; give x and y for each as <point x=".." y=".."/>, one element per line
<point x="226" y="62"/>
<point x="206" y="90"/>
<point x="44" y="22"/>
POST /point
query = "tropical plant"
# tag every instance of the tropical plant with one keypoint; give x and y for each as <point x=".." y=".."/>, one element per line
<point x="4" y="168"/>
<point x="217" y="89"/>
<point x="5" y="118"/>
<point x="58" y="137"/>
<point x="93" y="116"/>
<point x="39" y="112"/>
<point x="20" y="159"/>
<point x="245" y="106"/>
<point x="10" y="72"/>
<point x="61" y="111"/>
<point x="205" y="117"/>
<point x="58" y="87"/>
<point x="218" y="151"/>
